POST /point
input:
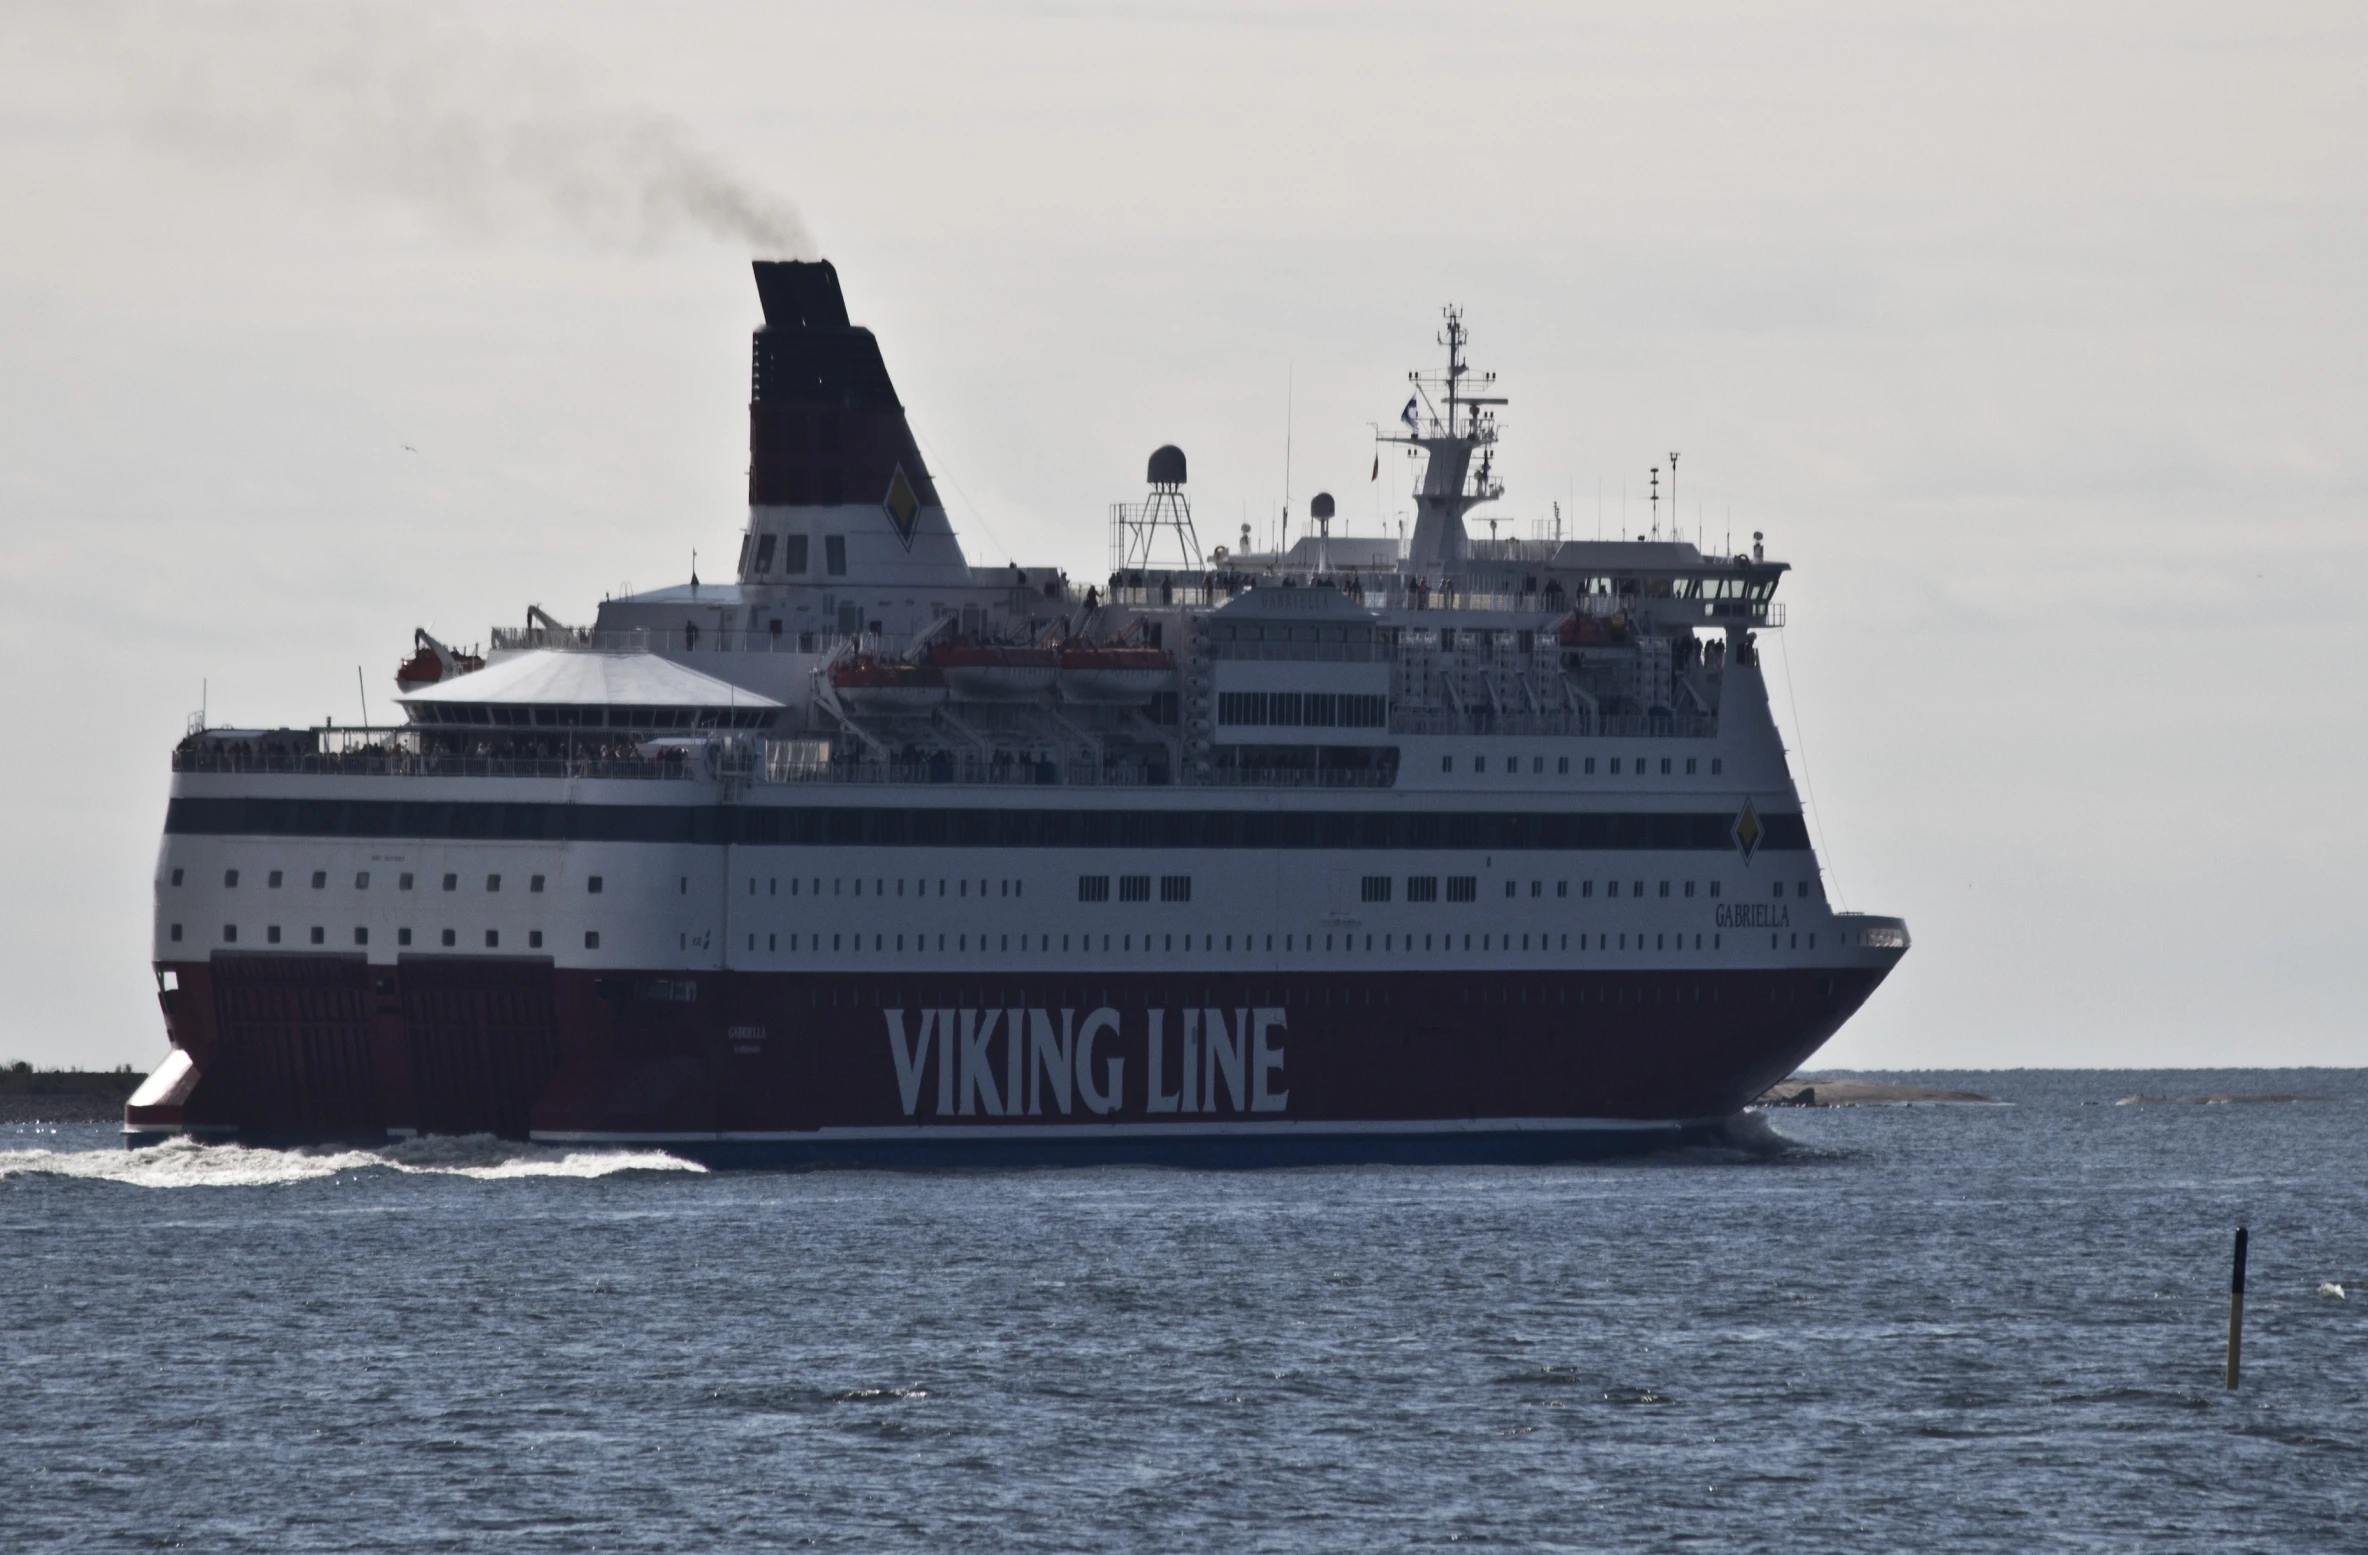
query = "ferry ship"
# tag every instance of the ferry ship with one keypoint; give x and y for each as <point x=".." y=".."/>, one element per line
<point x="1409" y="848"/>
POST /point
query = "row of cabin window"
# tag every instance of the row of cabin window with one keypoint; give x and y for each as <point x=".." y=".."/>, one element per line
<point x="403" y="882"/>
<point x="1134" y="888"/>
<point x="880" y="887"/>
<point x="794" y="554"/>
<point x="1640" y="765"/>
<point x="1125" y="943"/>
<point x="1303" y="709"/>
<point x="1461" y="888"/>
<point x="320" y="936"/>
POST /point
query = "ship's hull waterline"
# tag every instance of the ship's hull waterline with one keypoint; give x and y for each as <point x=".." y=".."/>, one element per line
<point x="988" y="1068"/>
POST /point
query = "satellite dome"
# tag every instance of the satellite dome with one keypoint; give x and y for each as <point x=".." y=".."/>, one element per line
<point x="1321" y="507"/>
<point x="1167" y="465"/>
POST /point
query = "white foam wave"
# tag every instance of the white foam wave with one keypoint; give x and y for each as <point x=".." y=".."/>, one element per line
<point x="187" y="1163"/>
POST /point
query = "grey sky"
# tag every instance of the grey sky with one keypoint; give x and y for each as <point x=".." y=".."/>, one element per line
<point x="2033" y="335"/>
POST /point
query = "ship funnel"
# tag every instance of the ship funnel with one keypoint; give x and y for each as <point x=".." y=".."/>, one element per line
<point x="836" y="485"/>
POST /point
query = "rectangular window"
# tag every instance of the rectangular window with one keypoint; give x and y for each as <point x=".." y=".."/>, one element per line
<point x="1242" y="707"/>
<point x="1664" y="766"/>
<point x="1664" y="888"/>
<point x="1463" y="888"/>
<point x="1537" y="888"/>
<point x="534" y="939"/>
<point x="361" y="936"/>
<point x="591" y="939"/>
<point x="176" y="877"/>
<point x="1590" y="766"/>
<point x="1714" y="888"/>
<point x="534" y="883"/>
<point x="1511" y="890"/>
<point x="1447" y="763"/>
<point x="1615" y="766"/>
<point x="1780" y="890"/>
<point x="1422" y="888"/>
<point x="764" y="553"/>
<point x="593" y="885"/>
<point x="493" y="939"/>
<point x="1092" y="888"/>
<point x="362" y="881"/>
<point x="1691" y="763"/>
<point x="1689" y="888"/>
<point x="402" y="936"/>
<point x="176" y="934"/>
<point x="1175" y="888"/>
<point x="450" y="938"/>
<point x="271" y="934"/>
<point x="1134" y="888"/>
<point x="793" y="559"/>
<point x="272" y="880"/>
<point x="320" y="878"/>
<point x="1284" y="707"/>
<point x="1562" y="766"/>
<point x="1586" y="888"/>
<point x="1716" y="763"/>
<point x="1562" y="888"/>
<point x="834" y="555"/>
<point x="1479" y="763"/>
<point x="402" y="882"/>
<point x="493" y="882"/>
<point x="1376" y="888"/>
<point x="1611" y="888"/>
<point x="452" y="882"/>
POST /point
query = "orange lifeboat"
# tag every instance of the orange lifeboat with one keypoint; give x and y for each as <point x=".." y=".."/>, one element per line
<point x="431" y="662"/>
<point x="866" y="683"/>
<point x="987" y="672"/>
<point x="1113" y="674"/>
<point x="1580" y="631"/>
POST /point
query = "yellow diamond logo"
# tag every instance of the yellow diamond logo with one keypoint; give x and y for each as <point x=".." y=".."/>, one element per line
<point x="1748" y="830"/>
<point x="901" y="506"/>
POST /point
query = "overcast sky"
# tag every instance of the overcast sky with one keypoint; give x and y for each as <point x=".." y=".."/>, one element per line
<point x="2034" y="337"/>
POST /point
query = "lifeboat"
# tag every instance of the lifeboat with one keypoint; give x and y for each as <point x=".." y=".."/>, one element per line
<point x="1580" y="631"/>
<point x="984" y="672"/>
<point x="868" y="684"/>
<point x="1113" y="675"/>
<point x="431" y="662"/>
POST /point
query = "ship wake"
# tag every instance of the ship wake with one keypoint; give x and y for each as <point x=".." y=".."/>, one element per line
<point x="185" y="1163"/>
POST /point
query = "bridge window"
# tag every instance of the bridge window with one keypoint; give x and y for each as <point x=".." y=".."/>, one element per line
<point x="764" y="553"/>
<point x="834" y="555"/>
<point x="793" y="553"/>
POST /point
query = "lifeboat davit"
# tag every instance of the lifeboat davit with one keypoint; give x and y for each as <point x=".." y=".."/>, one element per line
<point x="982" y="672"/>
<point x="1110" y="674"/>
<point x="867" y="684"/>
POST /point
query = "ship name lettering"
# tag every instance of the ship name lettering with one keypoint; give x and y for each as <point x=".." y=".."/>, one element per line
<point x="1226" y="1061"/>
<point x="1753" y="915"/>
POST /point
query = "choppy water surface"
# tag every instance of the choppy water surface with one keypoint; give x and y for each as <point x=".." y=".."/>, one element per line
<point x="1964" y="1328"/>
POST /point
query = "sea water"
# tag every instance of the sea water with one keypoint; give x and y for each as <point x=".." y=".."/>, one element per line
<point x="1886" y="1328"/>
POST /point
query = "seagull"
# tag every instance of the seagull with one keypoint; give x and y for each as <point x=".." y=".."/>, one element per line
<point x="407" y="448"/>
<point x="2330" y="1288"/>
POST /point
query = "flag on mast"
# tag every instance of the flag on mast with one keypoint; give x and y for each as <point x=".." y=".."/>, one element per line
<point x="1407" y="415"/>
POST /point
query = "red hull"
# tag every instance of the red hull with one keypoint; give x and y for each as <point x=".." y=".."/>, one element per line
<point x="319" y="1047"/>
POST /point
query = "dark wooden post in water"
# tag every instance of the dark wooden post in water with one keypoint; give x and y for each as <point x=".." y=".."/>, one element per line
<point x="2236" y="1307"/>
